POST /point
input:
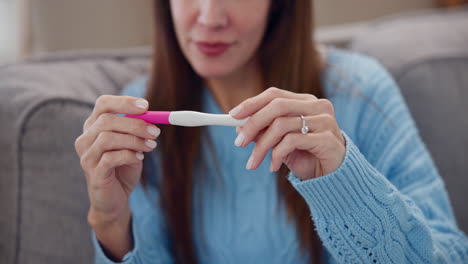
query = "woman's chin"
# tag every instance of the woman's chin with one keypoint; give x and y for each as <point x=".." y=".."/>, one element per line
<point x="212" y="72"/>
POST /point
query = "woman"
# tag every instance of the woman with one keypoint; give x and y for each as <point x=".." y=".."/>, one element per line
<point x="330" y="166"/>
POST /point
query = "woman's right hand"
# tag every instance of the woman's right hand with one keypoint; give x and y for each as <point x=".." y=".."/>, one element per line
<point x="111" y="152"/>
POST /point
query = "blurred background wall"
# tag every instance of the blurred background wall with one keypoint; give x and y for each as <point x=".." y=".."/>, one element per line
<point x="37" y="26"/>
<point x="333" y="12"/>
<point x="85" y="24"/>
<point x="71" y="24"/>
<point x="9" y="28"/>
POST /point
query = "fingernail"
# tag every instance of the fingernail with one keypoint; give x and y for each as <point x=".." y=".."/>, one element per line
<point x="271" y="167"/>
<point x="235" y="110"/>
<point x="153" y="130"/>
<point x="237" y="130"/>
<point x="249" y="163"/>
<point x="150" y="143"/>
<point x="142" y="103"/>
<point x="140" y="156"/>
<point x="239" y="140"/>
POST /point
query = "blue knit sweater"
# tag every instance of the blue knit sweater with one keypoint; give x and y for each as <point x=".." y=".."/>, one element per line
<point x="386" y="203"/>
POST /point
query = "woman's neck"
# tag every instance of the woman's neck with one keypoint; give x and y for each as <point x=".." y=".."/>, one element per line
<point x="231" y="90"/>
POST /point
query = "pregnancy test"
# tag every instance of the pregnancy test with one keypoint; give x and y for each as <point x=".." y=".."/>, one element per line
<point x="188" y="118"/>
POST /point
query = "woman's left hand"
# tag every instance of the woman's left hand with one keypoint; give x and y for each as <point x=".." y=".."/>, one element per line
<point x="275" y="123"/>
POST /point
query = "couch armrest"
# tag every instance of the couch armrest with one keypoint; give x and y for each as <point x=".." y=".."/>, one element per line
<point x="44" y="101"/>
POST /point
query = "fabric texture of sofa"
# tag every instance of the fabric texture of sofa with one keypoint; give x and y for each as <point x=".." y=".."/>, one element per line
<point x="45" y="100"/>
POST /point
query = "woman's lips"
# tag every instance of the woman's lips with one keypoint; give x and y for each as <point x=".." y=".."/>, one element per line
<point x="212" y="48"/>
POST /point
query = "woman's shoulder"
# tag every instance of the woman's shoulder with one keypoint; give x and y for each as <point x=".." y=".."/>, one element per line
<point x="363" y="93"/>
<point x="355" y="65"/>
<point x="351" y="72"/>
<point x="136" y="88"/>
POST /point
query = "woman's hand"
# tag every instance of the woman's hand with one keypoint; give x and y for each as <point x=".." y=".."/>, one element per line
<point x="111" y="153"/>
<point x="275" y="123"/>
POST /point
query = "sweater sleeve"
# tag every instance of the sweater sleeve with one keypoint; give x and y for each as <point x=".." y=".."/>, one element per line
<point x="393" y="211"/>
<point x="150" y="244"/>
<point x="101" y="257"/>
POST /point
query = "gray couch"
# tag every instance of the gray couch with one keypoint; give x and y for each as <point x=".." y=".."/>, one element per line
<point x="45" y="100"/>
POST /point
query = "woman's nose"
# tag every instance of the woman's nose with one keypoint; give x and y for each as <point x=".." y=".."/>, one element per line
<point x="212" y="14"/>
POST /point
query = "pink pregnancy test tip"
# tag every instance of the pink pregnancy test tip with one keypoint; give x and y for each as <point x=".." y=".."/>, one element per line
<point x="154" y="117"/>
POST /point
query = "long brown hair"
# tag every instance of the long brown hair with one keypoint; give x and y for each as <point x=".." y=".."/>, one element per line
<point x="288" y="59"/>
